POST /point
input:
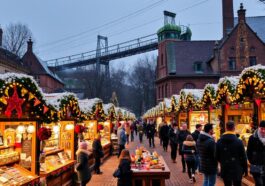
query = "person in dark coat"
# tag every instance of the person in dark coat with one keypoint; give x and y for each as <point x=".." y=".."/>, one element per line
<point x="150" y="130"/>
<point x="256" y="154"/>
<point x="231" y="154"/>
<point x="125" y="168"/>
<point x="82" y="166"/>
<point x="189" y="150"/>
<point x="195" y="136"/>
<point x="164" y="135"/>
<point x="207" y="148"/>
<point x="173" y="140"/>
<point x="183" y="133"/>
<point x="98" y="153"/>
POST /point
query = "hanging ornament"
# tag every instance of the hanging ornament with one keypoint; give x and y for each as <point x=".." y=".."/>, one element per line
<point x="3" y="100"/>
<point x="31" y="96"/>
<point x="227" y="106"/>
<point x="23" y="92"/>
<point x="258" y="102"/>
<point x="36" y="102"/>
<point x="14" y="103"/>
<point x="45" y="109"/>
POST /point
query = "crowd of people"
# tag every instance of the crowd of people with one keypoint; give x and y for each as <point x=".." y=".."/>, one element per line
<point x="200" y="152"/>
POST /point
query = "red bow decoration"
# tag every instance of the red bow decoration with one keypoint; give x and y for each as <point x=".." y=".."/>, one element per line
<point x="14" y="103"/>
<point x="79" y="129"/>
<point x="44" y="133"/>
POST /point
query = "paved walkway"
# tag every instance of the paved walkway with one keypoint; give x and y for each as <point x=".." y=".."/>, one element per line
<point x="177" y="178"/>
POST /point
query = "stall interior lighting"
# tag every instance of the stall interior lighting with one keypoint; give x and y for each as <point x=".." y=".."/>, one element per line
<point x="56" y="129"/>
<point x="69" y="127"/>
<point x="21" y="129"/>
<point x="31" y="129"/>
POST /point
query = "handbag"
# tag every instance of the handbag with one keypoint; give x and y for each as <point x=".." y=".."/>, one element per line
<point x="117" y="173"/>
<point x="256" y="169"/>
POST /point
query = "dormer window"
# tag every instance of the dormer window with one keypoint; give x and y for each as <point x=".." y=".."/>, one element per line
<point x="232" y="63"/>
<point x="198" y="67"/>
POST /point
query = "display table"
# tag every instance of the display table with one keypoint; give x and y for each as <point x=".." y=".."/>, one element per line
<point x="61" y="175"/>
<point x="157" y="177"/>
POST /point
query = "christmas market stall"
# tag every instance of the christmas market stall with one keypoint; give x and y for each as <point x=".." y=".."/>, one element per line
<point x="250" y="93"/>
<point x="239" y="112"/>
<point x="57" y="162"/>
<point x="214" y="112"/>
<point x="23" y="109"/>
<point x="190" y="102"/>
<point x="169" y="115"/>
<point x="96" y="123"/>
<point x="109" y="110"/>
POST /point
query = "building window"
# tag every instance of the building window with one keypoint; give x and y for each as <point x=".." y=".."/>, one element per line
<point x="232" y="63"/>
<point x="159" y="94"/>
<point x="198" y="67"/>
<point x="162" y="91"/>
<point x="37" y="78"/>
<point x="189" y="86"/>
<point x="252" y="60"/>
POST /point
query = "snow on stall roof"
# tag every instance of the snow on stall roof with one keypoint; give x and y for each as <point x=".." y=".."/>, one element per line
<point x="251" y="68"/>
<point x="106" y="107"/>
<point x="167" y="102"/>
<point x="196" y="93"/>
<point x="54" y="99"/>
<point x="176" y="97"/>
<point x="232" y="79"/>
<point x="86" y="105"/>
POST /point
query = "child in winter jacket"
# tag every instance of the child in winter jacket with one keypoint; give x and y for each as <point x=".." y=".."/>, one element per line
<point x="189" y="151"/>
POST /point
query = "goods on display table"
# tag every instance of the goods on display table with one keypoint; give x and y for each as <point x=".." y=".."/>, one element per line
<point x="58" y="162"/>
<point x="148" y="168"/>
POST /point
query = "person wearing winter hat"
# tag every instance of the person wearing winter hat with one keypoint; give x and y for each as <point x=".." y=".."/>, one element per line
<point x="82" y="167"/>
<point x="255" y="154"/>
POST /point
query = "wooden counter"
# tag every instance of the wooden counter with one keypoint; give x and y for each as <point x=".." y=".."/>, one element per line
<point x="62" y="175"/>
<point x="151" y="177"/>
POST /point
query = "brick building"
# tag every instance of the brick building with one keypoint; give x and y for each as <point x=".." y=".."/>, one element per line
<point x="192" y="64"/>
<point x="29" y="64"/>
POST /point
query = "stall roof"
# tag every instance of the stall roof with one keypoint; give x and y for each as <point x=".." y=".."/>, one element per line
<point x="54" y="99"/>
<point x="86" y="105"/>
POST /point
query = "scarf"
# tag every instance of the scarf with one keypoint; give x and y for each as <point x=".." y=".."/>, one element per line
<point x="261" y="138"/>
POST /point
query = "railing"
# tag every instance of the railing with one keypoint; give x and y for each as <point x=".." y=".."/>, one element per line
<point x="111" y="50"/>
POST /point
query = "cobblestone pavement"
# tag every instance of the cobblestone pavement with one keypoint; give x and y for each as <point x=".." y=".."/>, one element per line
<point x="177" y="178"/>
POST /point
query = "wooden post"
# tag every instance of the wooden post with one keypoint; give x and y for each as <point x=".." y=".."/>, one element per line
<point x="222" y="121"/>
<point x="188" y="119"/>
<point x="209" y="115"/>
<point x="255" y="115"/>
<point x="37" y="147"/>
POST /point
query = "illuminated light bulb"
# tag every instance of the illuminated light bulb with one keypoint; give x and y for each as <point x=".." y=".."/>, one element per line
<point x="31" y="129"/>
<point x="21" y="129"/>
<point x="56" y="129"/>
<point x="69" y="127"/>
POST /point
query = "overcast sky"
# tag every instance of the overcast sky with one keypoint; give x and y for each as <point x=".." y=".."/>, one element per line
<point x="65" y="27"/>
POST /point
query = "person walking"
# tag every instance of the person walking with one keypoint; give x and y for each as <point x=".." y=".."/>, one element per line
<point x="121" y="138"/>
<point x="159" y="132"/>
<point x="150" y="129"/>
<point x="195" y="136"/>
<point x="231" y="154"/>
<point x="132" y="132"/>
<point x="140" y="129"/>
<point x="82" y="166"/>
<point x="189" y="150"/>
<point x="98" y="153"/>
<point x="207" y="148"/>
<point x="136" y="127"/>
<point x="127" y="131"/>
<point x="256" y="154"/>
<point x="164" y="135"/>
<point x="183" y="133"/>
<point x="125" y="178"/>
<point x="173" y="139"/>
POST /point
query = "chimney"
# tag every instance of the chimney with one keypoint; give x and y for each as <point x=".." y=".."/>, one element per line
<point x="1" y="37"/>
<point x="241" y="14"/>
<point x="30" y="43"/>
<point x="228" y="16"/>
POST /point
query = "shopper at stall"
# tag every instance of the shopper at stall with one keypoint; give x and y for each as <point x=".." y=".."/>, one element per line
<point x="121" y="138"/>
<point x="206" y="148"/>
<point x="98" y="153"/>
<point x="231" y="154"/>
<point x="189" y="151"/>
<point x="256" y="154"/>
<point x="164" y="135"/>
<point x="125" y="178"/>
<point x="150" y="129"/>
<point x="82" y="166"/>
<point x="195" y="136"/>
<point x="140" y="130"/>
<point x="173" y="140"/>
<point x="183" y="133"/>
